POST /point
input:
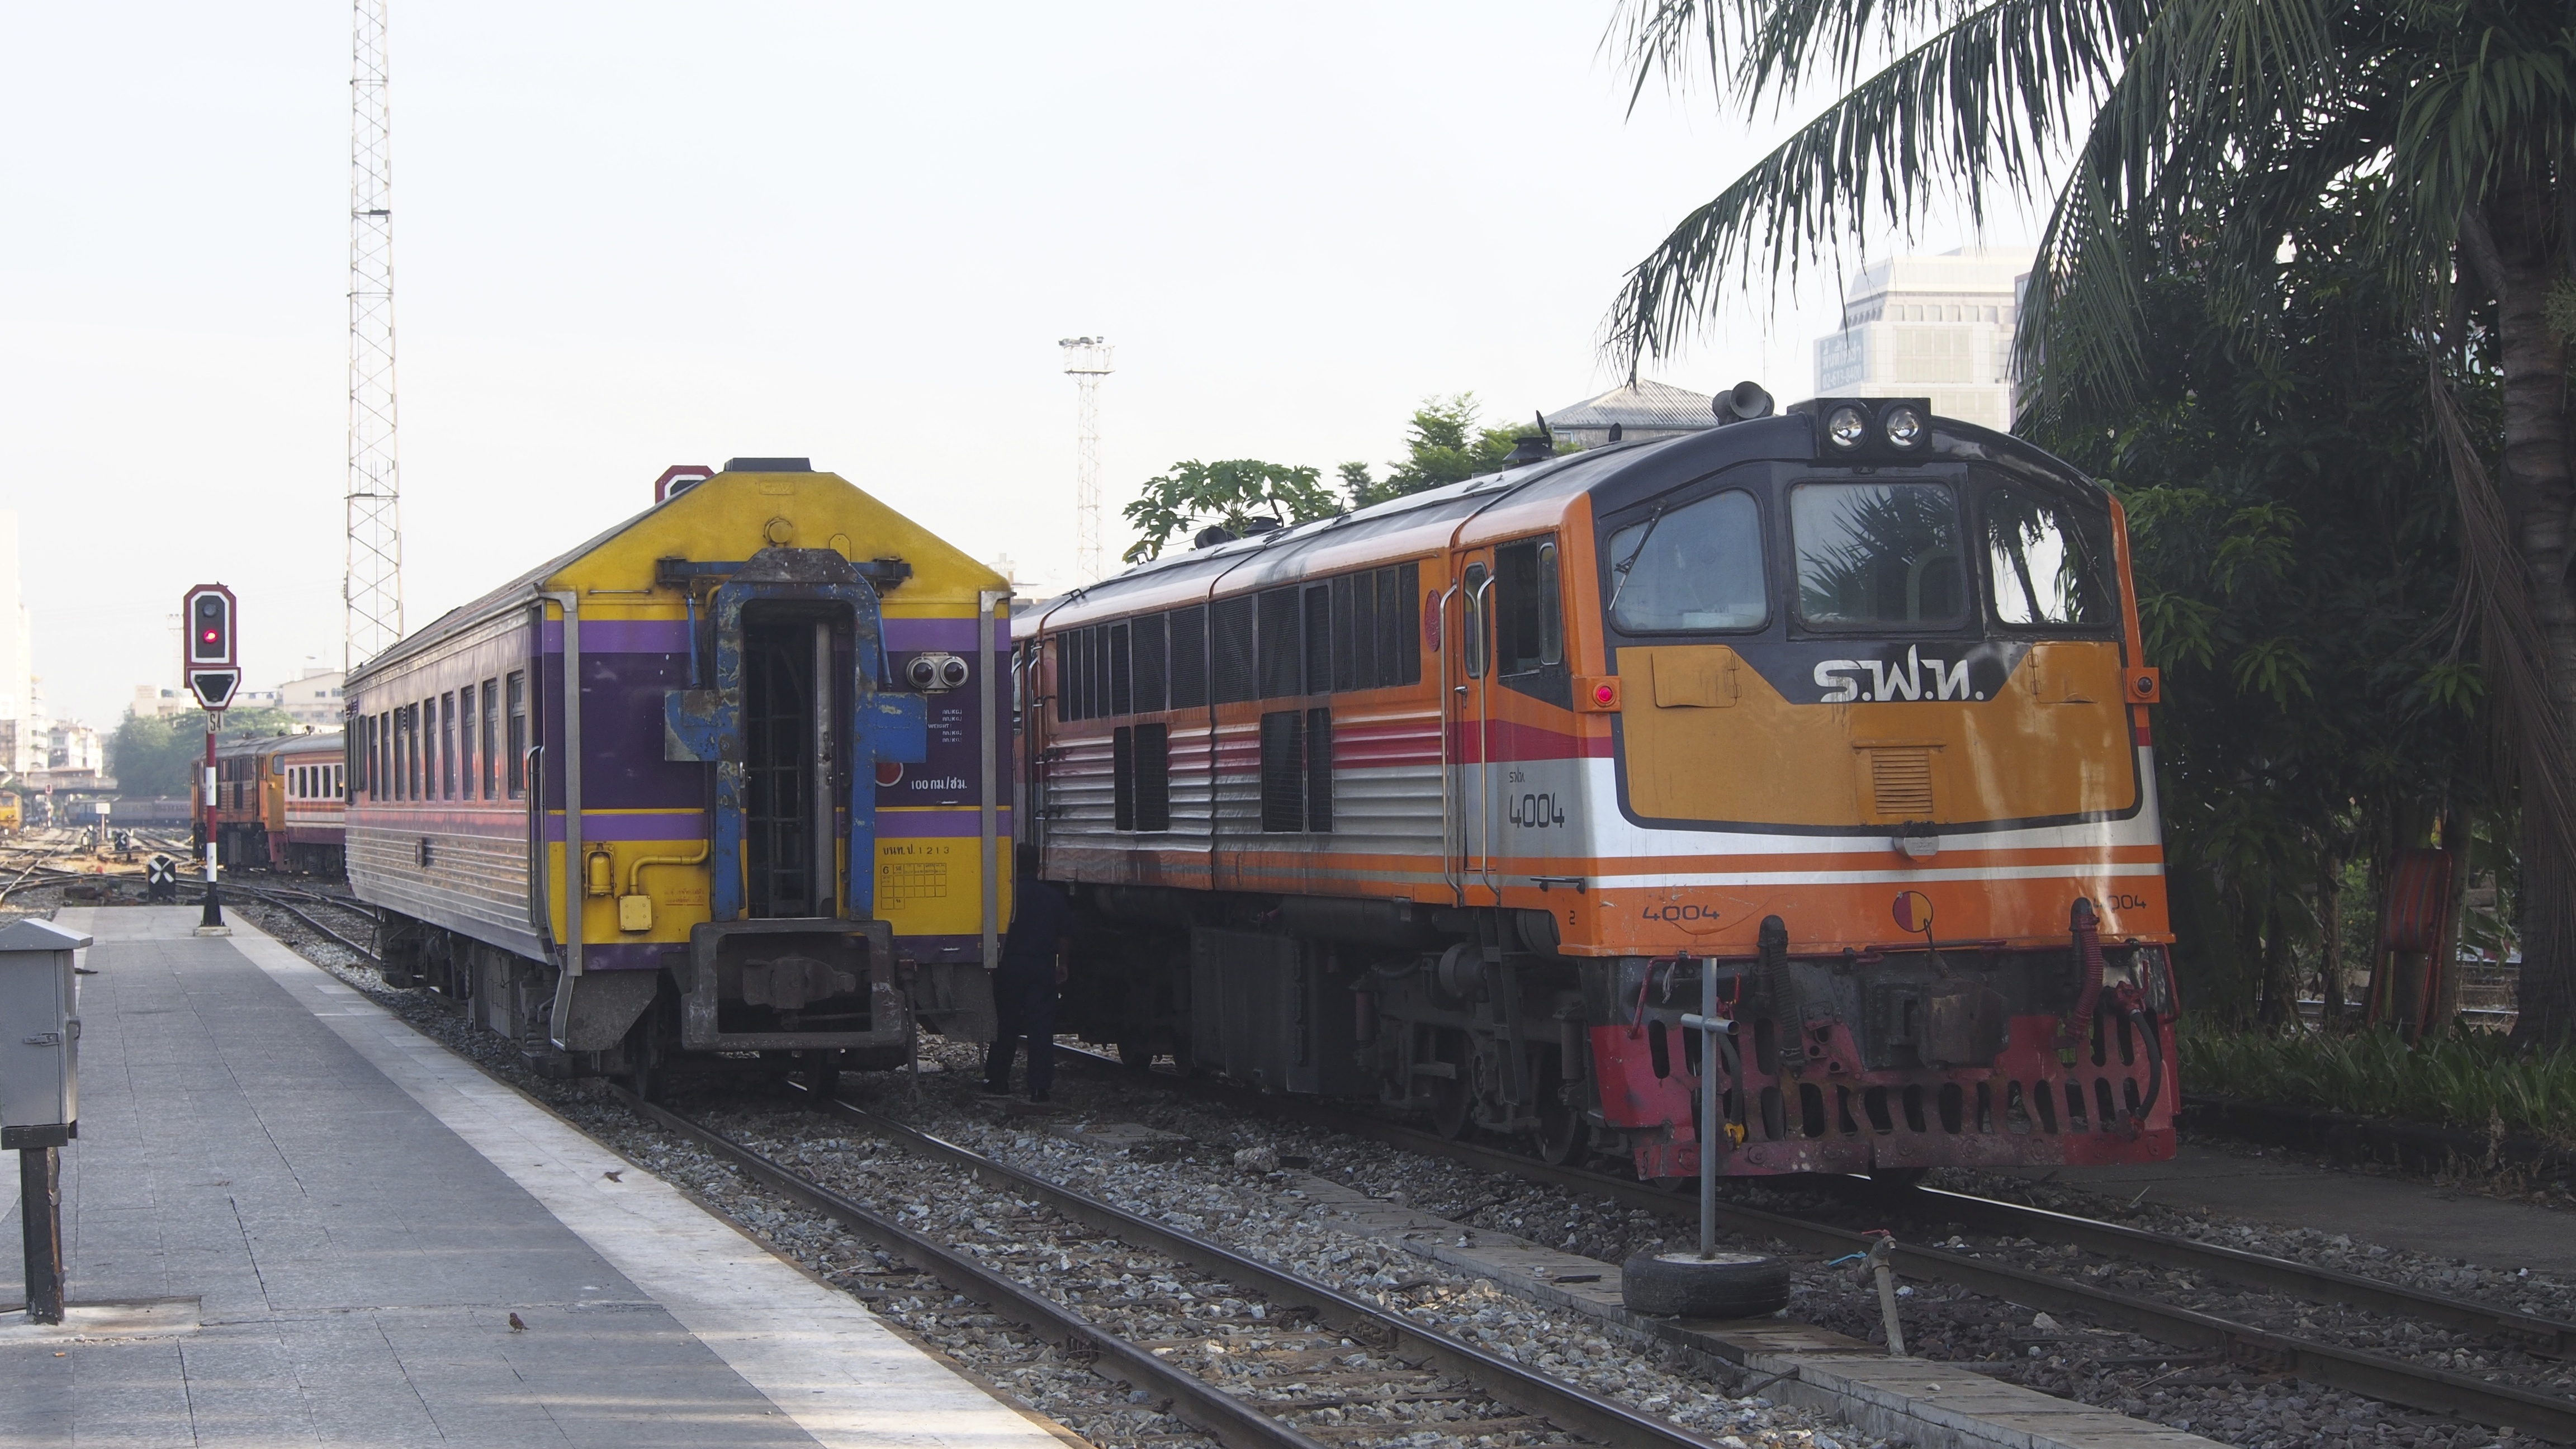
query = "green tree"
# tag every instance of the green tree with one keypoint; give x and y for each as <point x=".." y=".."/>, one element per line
<point x="1229" y="495"/>
<point x="1446" y="443"/>
<point x="2467" y="109"/>
<point x="2295" y="548"/>
<point x="160" y="754"/>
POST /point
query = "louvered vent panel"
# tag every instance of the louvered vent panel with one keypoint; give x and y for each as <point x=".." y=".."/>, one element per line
<point x="1902" y="782"/>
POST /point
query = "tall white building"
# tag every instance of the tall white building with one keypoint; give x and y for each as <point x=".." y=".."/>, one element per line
<point x="1939" y="326"/>
<point x="23" y="748"/>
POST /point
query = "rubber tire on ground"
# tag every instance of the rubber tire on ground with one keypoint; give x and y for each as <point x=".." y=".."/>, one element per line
<point x="1135" y="1053"/>
<point x="1683" y="1285"/>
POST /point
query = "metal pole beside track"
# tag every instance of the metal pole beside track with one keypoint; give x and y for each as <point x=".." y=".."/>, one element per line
<point x="560" y="1020"/>
<point x="40" y="1207"/>
<point x="988" y="814"/>
<point x="211" y="921"/>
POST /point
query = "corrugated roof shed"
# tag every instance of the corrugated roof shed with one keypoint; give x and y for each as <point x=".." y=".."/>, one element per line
<point x="1642" y="409"/>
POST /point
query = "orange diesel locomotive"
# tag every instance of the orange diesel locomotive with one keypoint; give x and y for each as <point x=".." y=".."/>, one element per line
<point x="1451" y="801"/>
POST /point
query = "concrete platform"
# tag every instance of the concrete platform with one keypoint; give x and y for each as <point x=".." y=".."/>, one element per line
<point x="2397" y="1212"/>
<point x="299" y="1222"/>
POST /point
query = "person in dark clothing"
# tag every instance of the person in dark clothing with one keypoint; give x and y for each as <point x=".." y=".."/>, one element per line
<point x="1024" y="985"/>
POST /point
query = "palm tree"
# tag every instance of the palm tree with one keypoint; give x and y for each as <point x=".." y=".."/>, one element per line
<point x="2142" y="123"/>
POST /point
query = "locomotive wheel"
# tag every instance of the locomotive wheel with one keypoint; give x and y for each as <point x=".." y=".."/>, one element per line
<point x="1563" y="1135"/>
<point x="1135" y="1053"/>
<point x="1453" y="1104"/>
<point x="1453" y="1098"/>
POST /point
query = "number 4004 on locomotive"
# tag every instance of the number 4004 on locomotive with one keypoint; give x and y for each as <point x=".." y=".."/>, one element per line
<point x="1450" y="802"/>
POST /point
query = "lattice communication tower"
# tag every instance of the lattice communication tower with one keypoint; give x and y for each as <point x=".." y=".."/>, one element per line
<point x="372" y="584"/>
<point x="1087" y="359"/>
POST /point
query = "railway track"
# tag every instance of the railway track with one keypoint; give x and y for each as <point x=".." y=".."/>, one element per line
<point x="276" y="900"/>
<point x="1318" y="1350"/>
<point x="2373" y="1375"/>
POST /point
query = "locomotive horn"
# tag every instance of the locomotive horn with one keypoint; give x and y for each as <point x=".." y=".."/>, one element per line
<point x="1744" y="401"/>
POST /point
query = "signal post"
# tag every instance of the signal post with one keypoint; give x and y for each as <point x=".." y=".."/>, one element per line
<point x="210" y="661"/>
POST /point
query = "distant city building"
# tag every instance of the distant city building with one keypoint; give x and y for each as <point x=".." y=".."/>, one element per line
<point x="70" y="746"/>
<point x="22" y="747"/>
<point x="1938" y="327"/>
<point x="151" y="703"/>
<point x="1639" y="412"/>
<point x="312" y="698"/>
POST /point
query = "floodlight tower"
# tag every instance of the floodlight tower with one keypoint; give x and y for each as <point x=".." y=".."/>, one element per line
<point x="372" y="583"/>
<point x="1087" y="359"/>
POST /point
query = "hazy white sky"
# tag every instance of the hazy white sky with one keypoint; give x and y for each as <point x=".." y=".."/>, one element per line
<point x="638" y="234"/>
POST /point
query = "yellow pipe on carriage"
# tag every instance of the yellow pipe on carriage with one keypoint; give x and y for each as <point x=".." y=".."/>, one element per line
<point x="635" y="909"/>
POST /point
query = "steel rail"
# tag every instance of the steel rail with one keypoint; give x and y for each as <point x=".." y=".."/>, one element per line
<point x="2371" y="1375"/>
<point x="1530" y="1392"/>
<point x="270" y="899"/>
<point x="1233" y="1422"/>
<point x="1527" y="1390"/>
<point x="2530" y="1332"/>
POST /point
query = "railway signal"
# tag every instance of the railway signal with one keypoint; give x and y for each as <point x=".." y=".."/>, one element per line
<point x="210" y="661"/>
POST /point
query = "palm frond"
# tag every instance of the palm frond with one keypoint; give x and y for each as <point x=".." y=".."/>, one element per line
<point x="1968" y="108"/>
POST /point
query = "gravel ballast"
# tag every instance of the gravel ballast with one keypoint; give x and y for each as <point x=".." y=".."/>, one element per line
<point x="1202" y="1189"/>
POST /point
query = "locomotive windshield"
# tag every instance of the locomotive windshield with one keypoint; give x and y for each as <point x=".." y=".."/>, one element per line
<point x="1698" y="566"/>
<point x="2045" y="564"/>
<point x="1878" y="553"/>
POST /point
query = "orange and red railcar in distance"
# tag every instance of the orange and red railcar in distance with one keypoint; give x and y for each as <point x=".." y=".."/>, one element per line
<point x="1451" y="801"/>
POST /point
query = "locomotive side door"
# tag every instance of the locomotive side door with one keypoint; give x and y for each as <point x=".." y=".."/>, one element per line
<point x="1466" y="677"/>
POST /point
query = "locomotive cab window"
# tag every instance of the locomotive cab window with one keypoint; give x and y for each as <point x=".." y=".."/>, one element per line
<point x="2045" y="563"/>
<point x="1694" y="567"/>
<point x="1529" y="625"/>
<point x="1878" y="554"/>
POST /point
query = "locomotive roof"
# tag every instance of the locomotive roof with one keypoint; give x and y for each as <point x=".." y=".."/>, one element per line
<point x="317" y="742"/>
<point x="517" y="593"/>
<point x="1521" y="500"/>
<point x="523" y="590"/>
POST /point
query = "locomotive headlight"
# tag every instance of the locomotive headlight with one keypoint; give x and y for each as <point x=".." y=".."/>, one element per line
<point x="931" y="672"/>
<point x="1905" y="427"/>
<point x="1846" y="427"/>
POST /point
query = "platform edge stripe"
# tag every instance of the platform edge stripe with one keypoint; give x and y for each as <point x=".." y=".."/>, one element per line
<point x="793" y="1340"/>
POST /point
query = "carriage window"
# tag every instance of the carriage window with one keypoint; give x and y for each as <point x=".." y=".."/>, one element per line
<point x="1230" y="650"/>
<point x="2044" y="565"/>
<point x="1122" y="699"/>
<point x="1877" y="553"/>
<point x="446" y="788"/>
<point x="491" y="731"/>
<point x="518" y="696"/>
<point x="1189" y="657"/>
<point x="1152" y="647"/>
<point x="1698" y="566"/>
<point x="465" y="739"/>
<point x="1282" y="643"/>
<point x="1319" y="638"/>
